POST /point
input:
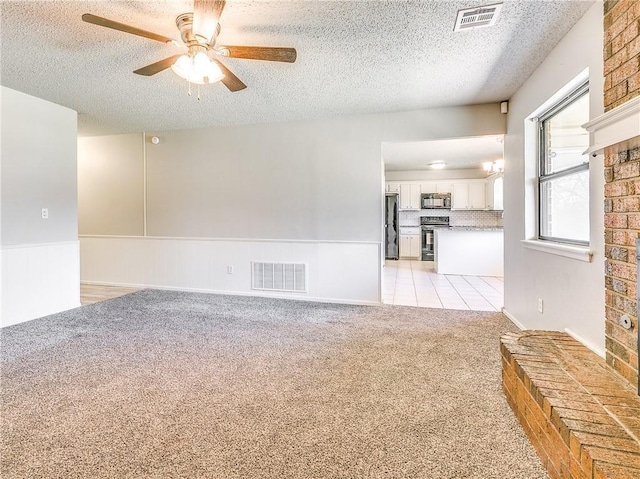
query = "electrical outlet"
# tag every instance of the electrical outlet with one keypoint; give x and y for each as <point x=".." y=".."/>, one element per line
<point x="45" y="213"/>
<point x="229" y="269"/>
<point x="540" y="305"/>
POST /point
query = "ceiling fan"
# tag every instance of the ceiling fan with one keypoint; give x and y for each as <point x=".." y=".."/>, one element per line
<point x="199" y="32"/>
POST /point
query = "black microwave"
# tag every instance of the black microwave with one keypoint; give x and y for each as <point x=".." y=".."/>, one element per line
<point x="432" y="201"/>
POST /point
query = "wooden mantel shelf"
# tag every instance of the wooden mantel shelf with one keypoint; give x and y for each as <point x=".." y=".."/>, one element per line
<point x="619" y="127"/>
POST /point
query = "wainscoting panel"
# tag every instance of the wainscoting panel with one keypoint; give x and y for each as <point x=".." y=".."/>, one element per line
<point x="38" y="280"/>
<point x="345" y="272"/>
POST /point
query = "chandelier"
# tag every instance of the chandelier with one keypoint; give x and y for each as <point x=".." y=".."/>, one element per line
<point x="493" y="166"/>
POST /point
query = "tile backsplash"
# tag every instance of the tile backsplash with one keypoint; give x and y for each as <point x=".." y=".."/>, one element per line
<point x="480" y="219"/>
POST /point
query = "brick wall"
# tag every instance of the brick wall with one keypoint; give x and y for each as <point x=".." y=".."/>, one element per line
<point x="621" y="51"/>
<point x="622" y="189"/>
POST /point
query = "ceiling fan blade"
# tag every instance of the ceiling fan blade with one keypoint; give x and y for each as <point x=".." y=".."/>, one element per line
<point x="206" y="15"/>
<point x="232" y="82"/>
<point x="157" y="67"/>
<point x="105" y="22"/>
<point x="271" y="54"/>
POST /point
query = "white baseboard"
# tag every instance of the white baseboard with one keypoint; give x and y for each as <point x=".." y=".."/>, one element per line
<point x="512" y="318"/>
<point x="598" y="350"/>
<point x="238" y="293"/>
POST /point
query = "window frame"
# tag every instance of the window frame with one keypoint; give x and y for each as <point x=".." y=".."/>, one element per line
<point x="544" y="177"/>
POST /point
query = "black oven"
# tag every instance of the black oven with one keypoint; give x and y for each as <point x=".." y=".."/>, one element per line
<point x="429" y="224"/>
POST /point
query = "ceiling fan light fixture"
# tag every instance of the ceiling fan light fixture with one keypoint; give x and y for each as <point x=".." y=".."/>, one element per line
<point x="214" y="73"/>
<point x="199" y="32"/>
<point x="200" y="63"/>
<point x="438" y="165"/>
<point x="197" y="69"/>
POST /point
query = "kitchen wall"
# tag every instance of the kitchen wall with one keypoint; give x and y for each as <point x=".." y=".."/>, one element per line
<point x="40" y="260"/>
<point x="572" y="290"/>
<point x="314" y="182"/>
<point x="481" y="219"/>
<point x="429" y="175"/>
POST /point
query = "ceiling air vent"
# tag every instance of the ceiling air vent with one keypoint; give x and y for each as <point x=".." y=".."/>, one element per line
<point x="477" y="17"/>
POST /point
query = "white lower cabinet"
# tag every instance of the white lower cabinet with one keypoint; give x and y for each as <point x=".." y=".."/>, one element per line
<point x="410" y="246"/>
<point x="410" y="242"/>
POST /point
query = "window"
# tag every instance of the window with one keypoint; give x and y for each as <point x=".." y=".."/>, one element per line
<point x="563" y="178"/>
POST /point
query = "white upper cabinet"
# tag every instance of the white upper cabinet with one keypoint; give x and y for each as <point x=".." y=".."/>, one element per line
<point x="471" y="194"/>
<point x="460" y="196"/>
<point x="476" y="196"/>
<point x="468" y="195"/>
<point x="409" y="196"/>
<point x="498" y="194"/>
<point x="435" y="187"/>
<point x="429" y="187"/>
<point x="392" y="187"/>
<point x="444" y="188"/>
<point x="494" y="192"/>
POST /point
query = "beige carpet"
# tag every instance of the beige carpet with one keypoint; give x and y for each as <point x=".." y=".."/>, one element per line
<point x="179" y="385"/>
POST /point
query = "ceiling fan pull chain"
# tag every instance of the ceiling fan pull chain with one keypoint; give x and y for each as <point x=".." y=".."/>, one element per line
<point x="198" y="92"/>
<point x="189" y="91"/>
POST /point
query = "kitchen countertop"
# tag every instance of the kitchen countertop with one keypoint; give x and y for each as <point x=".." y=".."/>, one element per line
<point x="459" y="228"/>
<point x="476" y="228"/>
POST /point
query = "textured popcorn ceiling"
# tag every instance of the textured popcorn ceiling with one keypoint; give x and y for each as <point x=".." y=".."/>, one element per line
<point x="353" y="57"/>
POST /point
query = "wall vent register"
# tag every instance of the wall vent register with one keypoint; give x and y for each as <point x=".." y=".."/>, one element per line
<point x="286" y="277"/>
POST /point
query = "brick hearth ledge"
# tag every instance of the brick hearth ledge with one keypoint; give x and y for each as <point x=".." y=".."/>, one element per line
<point x="581" y="417"/>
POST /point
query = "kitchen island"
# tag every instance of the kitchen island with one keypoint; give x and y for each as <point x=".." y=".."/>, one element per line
<point x="469" y="251"/>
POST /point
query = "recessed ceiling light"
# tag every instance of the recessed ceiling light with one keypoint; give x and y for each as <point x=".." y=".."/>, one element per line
<point x="438" y="165"/>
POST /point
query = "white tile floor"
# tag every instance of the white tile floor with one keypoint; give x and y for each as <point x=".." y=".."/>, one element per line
<point x="415" y="283"/>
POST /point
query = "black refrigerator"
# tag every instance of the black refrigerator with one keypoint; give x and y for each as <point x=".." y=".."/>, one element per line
<point x="391" y="250"/>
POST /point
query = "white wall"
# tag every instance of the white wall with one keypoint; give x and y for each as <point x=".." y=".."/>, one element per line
<point x="40" y="258"/>
<point x="318" y="181"/>
<point x="111" y="195"/>
<point x="572" y="290"/>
